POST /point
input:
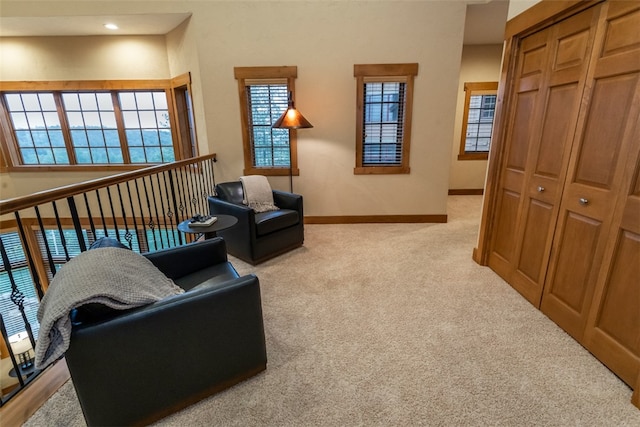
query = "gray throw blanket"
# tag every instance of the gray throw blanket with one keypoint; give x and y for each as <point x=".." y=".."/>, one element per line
<point x="118" y="278"/>
<point x="257" y="193"/>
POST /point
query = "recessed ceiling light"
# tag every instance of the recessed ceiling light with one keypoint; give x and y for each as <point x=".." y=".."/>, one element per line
<point x="111" y="26"/>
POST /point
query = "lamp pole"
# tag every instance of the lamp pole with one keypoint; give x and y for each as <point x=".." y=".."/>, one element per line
<point x="291" y="119"/>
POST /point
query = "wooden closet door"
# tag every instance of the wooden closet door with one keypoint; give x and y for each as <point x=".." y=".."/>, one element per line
<point x="553" y="66"/>
<point x="613" y="326"/>
<point x="530" y="74"/>
<point x="594" y="187"/>
<point x="571" y="42"/>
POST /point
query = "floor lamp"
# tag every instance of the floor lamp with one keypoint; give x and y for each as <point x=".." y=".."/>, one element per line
<point x="291" y="119"/>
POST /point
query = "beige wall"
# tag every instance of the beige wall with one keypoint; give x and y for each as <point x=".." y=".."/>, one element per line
<point x="324" y="39"/>
<point x="480" y="63"/>
<point x="75" y="58"/>
<point x="516" y="7"/>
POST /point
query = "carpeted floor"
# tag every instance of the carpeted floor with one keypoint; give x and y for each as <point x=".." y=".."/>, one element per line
<point x="395" y="325"/>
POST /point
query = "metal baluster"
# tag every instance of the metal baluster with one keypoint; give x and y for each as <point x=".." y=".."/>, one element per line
<point x="181" y="195"/>
<point x="212" y="176"/>
<point x="192" y="195"/>
<point x="63" y="240"/>
<point x="113" y="214"/>
<point x="34" y="273"/>
<point x="52" y="265"/>
<point x="91" y="224"/>
<point x="127" y="234"/>
<point x="174" y="199"/>
<point x="151" y="224"/>
<point x="133" y="214"/>
<point x="164" y="218"/>
<point x="76" y="224"/>
<point x="170" y="213"/>
<point x="104" y="222"/>
<point x="197" y="177"/>
<point x="144" y="225"/>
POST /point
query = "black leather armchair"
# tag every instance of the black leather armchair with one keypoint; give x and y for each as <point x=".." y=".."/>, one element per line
<point x="136" y="366"/>
<point x="259" y="236"/>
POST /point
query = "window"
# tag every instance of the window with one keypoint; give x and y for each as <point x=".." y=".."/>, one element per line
<point x="383" y="122"/>
<point x="94" y="124"/>
<point x="477" y="120"/>
<point x="264" y="95"/>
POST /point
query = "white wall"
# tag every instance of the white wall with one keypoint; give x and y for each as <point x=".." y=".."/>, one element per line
<point x="324" y="39"/>
<point x="480" y="63"/>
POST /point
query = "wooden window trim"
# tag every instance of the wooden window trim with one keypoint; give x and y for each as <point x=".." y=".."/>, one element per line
<point x="384" y="72"/>
<point x="185" y="142"/>
<point x="242" y="74"/>
<point x="10" y="157"/>
<point x="473" y="88"/>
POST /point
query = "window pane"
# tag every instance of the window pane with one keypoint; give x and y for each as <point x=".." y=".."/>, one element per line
<point x="19" y="121"/>
<point x="83" y="155"/>
<point x="40" y="138"/>
<point x="168" y="154"/>
<point x="134" y="137"/>
<point x="31" y="102"/>
<point x="144" y="100"/>
<point x="99" y="155"/>
<point x="105" y="102"/>
<point x="29" y="156"/>
<point x="24" y="139"/>
<point x="60" y="154"/>
<point x="45" y="156"/>
<point x="57" y="139"/>
<point x="111" y="138"/>
<point x="88" y="102"/>
<point x="115" y="155"/>
<point x="137" y="155"/>
<point x="79" y="138"/>
<point x="14" y="102"/>
<point x="153" y="154"/>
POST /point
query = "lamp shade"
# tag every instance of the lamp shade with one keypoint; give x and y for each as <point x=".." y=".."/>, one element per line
<point x="291" y="118"/>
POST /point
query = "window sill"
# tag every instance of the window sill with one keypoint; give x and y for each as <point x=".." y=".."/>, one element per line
<point x="473" y="156"/>
<point x="381" y="170"/>
<point x="272" y="171"/>
<point x="78" y="168"/>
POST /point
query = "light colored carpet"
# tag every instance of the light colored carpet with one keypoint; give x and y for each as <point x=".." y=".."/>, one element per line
<point x="395" y="325"/>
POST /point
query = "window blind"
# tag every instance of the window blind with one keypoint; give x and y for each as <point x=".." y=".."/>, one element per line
<point x="266" y="102"/>
<point x="383" y="130"/>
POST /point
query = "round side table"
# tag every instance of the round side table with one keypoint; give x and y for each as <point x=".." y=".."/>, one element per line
<point x="223" y="222"/>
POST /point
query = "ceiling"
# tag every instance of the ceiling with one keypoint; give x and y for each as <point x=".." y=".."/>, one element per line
<point x="143" y="24"/>
<point x="484" y="24"/>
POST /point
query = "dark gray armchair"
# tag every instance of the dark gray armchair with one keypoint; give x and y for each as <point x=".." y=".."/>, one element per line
<point x="136" y="366"/>
<point x="259" y="236"/>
